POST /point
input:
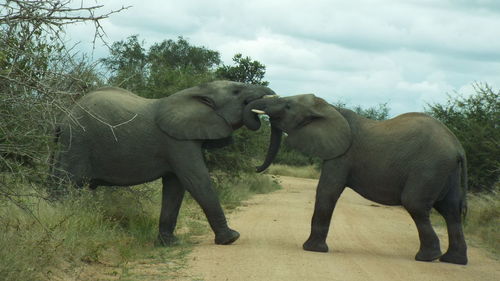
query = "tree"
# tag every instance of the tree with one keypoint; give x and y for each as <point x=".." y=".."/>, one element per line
<point x="128" y="64"/>
<point x="165" y="68"/>
<point x="475" y="122"/>
<point x="379" y="112"/>
<point x="176" y="65"/>
<point x="246" y="70"/>
<point x="39" y="76"/>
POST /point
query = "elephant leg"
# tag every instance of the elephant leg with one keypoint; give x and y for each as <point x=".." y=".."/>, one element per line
<point x="330" y="187"/>
<point x="450" y="209"/>
<point x="171" y="201"/>
<point x="419" y="203"/>
<point x="205" y="196"/>
<point x="194" y="177"/>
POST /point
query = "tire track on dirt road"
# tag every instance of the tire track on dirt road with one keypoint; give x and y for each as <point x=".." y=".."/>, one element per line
<point x="367" y="242"/>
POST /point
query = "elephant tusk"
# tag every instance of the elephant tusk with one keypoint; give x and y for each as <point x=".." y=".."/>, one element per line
<point x="258" y="111"/>
<point x="270" y="96"/>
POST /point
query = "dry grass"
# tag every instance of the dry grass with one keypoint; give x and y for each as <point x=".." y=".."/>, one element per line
<point x="108" y="228"/>
<point x="310" y="172"/>
<point x="483" y="220"/>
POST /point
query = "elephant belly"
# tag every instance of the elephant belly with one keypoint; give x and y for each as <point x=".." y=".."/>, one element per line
<point x="382" y="190"/>
<point x="127" y="168"/>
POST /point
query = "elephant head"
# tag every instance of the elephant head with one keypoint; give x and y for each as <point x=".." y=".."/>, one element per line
<point x="209" y="111"/>
<point x="314" y="127"/>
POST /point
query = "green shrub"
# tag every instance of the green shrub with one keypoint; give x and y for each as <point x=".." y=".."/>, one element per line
<point x="233" y="190"/>
<point x="474" y="120"/>
<point x="292" y="157"/>
<point x="109" y="225"/>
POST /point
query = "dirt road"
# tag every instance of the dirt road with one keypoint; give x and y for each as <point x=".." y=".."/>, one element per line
<point x="367" y="242"/>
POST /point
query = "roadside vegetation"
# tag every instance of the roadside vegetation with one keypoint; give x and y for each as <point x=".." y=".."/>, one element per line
<point x="483" y="219"/>
<point x="41" y="76"/>
<point x="308" y="171"/>
<point x="474" y="120"/>
<point x="107" y="228"/>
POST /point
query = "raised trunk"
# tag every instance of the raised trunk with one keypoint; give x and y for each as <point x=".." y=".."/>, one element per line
<point x="274" y="147"/>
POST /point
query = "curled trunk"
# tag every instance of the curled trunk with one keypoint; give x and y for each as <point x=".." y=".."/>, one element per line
<point x="274" y="147"/>
<point x="250" y="119"/>
<point x="252" y="122"/>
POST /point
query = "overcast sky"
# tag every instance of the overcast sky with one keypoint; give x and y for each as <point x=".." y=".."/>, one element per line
<point x="405" y="53"/>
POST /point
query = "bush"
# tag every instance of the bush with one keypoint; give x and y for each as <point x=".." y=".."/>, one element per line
<point x="483" y="219"/>
<point x="232" y="191"/>
<point x="109" y="226"/>
<point x="474" y="120"/>
<point x="292" y="157"/>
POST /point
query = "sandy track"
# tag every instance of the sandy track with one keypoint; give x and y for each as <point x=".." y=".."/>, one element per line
<point x="367" y="242"/>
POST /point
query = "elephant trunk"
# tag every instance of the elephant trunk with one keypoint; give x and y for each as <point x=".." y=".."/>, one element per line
<point x="250" y="119"/>
<point x="274" y="147"/>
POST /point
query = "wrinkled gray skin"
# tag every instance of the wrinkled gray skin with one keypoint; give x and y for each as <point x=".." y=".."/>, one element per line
<point x="411" y="160"/>
<point x="113" y="137"/>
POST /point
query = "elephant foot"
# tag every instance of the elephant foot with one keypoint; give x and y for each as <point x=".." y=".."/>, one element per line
<point x="428" y="255"/>
<point x="454" y="257"/>
<point x="226" y="237"/>
<point x="166" y="240"/>
<point x="313" y="246"/>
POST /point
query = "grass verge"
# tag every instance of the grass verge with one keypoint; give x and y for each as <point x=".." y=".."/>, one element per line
<point x="483" y="220"/>
<point x="310" y="171"/>
<point x="102" y="234"/>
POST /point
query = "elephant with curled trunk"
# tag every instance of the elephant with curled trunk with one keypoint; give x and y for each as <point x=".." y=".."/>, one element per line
<point x="411" y="160"/>
<point x="113" y="137"/>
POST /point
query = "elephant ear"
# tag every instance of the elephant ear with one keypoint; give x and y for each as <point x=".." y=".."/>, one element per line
<point x="324" y="133"/>
<point x="190" y="115"/>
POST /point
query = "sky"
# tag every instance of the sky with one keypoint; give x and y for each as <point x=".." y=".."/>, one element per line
<point x="406" y="53"/>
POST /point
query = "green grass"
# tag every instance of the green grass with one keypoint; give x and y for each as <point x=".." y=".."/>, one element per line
<point x="481" y="226"/>
<point x="483" y="220"/>
<point x="109" y="227"/>
<point x="310" y="171"/>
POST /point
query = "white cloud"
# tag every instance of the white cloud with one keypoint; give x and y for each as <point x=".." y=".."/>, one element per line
<point x="364" y="52"/>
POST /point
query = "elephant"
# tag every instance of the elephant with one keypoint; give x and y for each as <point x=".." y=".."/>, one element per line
<point x="411" y="160"/>
<point x="112" y="137"/>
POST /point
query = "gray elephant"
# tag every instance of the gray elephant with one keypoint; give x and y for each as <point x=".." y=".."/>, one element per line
<point x="113" y="137"/>
<point x="411" y="160"/>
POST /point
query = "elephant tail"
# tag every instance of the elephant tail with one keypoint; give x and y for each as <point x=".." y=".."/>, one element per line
<point x="463" y="185"/>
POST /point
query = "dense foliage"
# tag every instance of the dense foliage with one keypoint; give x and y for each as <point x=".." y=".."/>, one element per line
<point x="165" y="68"/>
<point x="475" y="120"/>
<point x="245" y="70"/>
<point x="39" y="78"/>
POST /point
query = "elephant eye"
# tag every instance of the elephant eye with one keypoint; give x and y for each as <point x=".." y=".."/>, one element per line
<point x="236" y="92"/>
<point x="287" y="106"/>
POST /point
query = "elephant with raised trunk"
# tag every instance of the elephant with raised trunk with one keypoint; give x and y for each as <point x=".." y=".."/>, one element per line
<point x="113" y="137"/>
<point x="411" y="160"/>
